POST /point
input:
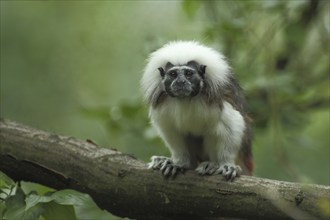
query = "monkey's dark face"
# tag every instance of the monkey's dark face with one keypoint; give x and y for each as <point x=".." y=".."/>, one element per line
<point x="184" y="80"/>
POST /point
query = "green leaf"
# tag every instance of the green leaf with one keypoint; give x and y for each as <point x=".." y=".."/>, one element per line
<point x="55" y="211"/>
<point x="2" y="209"/>
<point x="84" y="206"/>
<point x="69" y="197"/>
<point x="29" y="187"/>
<point x="64" y="204"/>
<point x="89" y="210"/>
<point x="33" y="200"/>
<point x="16" y="201"/>
<point x="33" y="213"/>
<point x="5" y="180"/>
<point x="16" y="208"/>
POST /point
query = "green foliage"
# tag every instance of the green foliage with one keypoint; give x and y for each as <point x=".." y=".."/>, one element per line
<point x="126" y="123"/>
<point x="64" y="204"/>
<point x="191" y="8"/>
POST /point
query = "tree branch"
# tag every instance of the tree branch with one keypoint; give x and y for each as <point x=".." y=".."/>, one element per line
<point x="125" y="187"/>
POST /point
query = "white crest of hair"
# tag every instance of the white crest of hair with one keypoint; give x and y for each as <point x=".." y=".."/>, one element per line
<point x="180" y="53"/>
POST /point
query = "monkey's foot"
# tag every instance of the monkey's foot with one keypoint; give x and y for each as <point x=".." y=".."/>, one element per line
<point x="229" y="171"/>
<point x="165" y="165"/>
<point x="207" y="168"/>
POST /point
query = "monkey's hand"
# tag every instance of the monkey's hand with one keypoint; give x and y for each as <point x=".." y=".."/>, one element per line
<point x="165" y="165"/>
<point x="228" y="170"/>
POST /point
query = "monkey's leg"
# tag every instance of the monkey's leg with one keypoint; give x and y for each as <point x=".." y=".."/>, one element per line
<point x="222" y="153"/>
<point x="227" y="152"/>
<point x="230" y="132"/>
<point x="180" y="157"/>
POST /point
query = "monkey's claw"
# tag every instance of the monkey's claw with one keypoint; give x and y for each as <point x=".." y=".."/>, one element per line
<point x="157" y="162"/>
<point x="207" y="168"/>
<point x="165" y="165"/>
<point x="229" y="171"/>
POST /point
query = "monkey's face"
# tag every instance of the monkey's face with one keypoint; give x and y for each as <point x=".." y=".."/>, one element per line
<point x="184" y="80"/>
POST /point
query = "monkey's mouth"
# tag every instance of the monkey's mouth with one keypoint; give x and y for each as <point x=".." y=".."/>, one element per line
<point x="181" y="91"/>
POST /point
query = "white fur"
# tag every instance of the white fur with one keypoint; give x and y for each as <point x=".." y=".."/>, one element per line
<point x="230" y="131"/>
<point x="222" y="129"/>
<point x="179" y="53"/>
<point x="186" y="116"/>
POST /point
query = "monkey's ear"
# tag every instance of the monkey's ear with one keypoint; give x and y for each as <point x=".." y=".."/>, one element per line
<point x="201" y="70"/>
<point x="168" y="65"/>
<point x="161" y="71"/>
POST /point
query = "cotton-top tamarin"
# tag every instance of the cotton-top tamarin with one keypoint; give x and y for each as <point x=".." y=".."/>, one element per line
<point x="199" y="110"/>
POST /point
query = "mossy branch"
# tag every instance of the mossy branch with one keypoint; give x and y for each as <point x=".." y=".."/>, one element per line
<point x="124" y="186"/>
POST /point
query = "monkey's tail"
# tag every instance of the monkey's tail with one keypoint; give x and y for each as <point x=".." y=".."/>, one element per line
<point x="246" y="162"/>
<point x="245" y="158"/>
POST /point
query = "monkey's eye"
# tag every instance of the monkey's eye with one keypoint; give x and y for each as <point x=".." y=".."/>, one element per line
<point x="188" y="73"/>
<point x="173" y="74"/>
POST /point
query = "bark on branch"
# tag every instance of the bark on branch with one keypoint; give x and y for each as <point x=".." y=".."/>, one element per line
<point x="124" y="186"/>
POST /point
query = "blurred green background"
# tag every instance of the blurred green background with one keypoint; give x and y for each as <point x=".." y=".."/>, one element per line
<point x="73" y="68"/>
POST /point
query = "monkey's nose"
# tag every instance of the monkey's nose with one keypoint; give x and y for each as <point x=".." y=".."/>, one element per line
<point x="181" y="82"/>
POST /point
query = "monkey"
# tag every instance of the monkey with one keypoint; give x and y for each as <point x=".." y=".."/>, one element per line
<point x="199" y="110"/>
